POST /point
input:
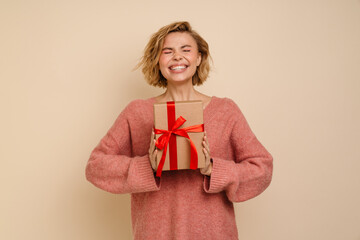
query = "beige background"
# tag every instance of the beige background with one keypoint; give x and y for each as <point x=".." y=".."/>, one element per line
<point x="293" y="67"/>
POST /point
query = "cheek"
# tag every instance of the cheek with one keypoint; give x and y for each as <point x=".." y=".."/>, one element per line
<point x="163" y="62"/>
<point x="195" y="59"/>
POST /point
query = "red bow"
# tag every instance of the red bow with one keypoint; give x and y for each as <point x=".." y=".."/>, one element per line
<point x="163" y="141"/>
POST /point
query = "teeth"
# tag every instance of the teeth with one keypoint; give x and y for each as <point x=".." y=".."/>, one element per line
<point x="178" y="67"/>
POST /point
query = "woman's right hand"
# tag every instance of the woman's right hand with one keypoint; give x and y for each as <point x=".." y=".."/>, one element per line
<point x="153" y="152"/>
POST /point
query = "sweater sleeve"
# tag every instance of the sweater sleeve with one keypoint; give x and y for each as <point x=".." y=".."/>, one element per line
<point x="249" y="173"/>
<point x="112" y="167"/>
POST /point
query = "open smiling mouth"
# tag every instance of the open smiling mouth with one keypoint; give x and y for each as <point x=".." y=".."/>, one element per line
<point x="180" y="67"/>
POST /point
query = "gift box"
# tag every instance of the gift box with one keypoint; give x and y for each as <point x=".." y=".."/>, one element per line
<point x="179" y="132"/>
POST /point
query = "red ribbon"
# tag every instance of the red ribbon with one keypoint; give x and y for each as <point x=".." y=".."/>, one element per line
<point x="168" y="138"/>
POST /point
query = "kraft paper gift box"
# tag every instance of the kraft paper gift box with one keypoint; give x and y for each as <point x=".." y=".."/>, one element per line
<point x="178" y="153"/>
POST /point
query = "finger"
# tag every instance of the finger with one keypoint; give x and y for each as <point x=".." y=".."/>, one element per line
<point x="206" y="140"/>
<point x="206" y="146"/>
<point x="153" y="135"/>
<point x="154" y="154"/>
<point x="154" y="162"/>
<point x="152" y="146"/>
<point x="205" y="152"/>
<point x="207" y="156"/>
<point x="153" y="159"/>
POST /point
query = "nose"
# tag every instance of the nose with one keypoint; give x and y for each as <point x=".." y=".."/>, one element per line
<point x="177" y="56"/>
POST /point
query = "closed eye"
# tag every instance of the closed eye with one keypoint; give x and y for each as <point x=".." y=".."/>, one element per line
<point x="167" y="50"/>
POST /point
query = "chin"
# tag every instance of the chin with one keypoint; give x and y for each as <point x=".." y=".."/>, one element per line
<point x="180" y="80"/>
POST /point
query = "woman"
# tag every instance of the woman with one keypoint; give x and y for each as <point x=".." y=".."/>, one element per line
<point x="183" y="204"/>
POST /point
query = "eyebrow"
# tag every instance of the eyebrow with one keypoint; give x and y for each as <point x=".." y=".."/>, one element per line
<point x="169" y="48"/>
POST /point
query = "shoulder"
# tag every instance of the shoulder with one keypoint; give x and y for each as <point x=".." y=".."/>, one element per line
<point x="225" y="109"/>
<point x="136" y="113"/>
<point x="139" y="105"/>
<point x="224" y="103"/>
<point x="225" y="100"/>
<point x="136" y="109"/>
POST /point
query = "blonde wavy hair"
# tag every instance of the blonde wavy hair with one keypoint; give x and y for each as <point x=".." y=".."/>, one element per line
<point x="149" y="62"/>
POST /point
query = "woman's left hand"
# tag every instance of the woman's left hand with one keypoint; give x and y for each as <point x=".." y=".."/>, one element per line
<point x="208" y="164"/>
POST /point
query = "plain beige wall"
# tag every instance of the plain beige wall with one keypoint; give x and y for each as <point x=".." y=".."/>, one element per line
<point x="293" y="67"/>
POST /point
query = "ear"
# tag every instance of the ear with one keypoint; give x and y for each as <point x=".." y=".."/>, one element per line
<point x="198" y="60"/>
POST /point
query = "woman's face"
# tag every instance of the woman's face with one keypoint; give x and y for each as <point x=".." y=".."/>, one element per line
<point x="179" y="57"/>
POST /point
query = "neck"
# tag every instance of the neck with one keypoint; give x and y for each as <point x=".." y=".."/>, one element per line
<point x="180" y="92"/>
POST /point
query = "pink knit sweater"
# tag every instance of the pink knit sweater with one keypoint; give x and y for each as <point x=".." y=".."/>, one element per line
<point x="182" y="204"/>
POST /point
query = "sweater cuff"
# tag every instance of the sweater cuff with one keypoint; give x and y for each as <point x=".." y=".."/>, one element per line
<point x="220" y="176"/>
<point x="141" y="176"/>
